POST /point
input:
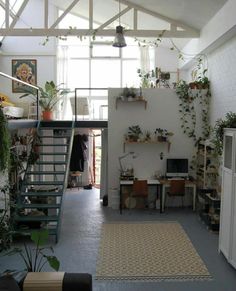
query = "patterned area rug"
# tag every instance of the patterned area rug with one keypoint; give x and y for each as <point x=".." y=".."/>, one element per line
<point x="148" y="251"/>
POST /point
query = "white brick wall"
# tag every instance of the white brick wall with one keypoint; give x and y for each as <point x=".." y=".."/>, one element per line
<point x="222" y="74"/>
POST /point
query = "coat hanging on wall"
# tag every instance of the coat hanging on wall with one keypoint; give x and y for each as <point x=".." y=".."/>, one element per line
<point x="78" y="155"/>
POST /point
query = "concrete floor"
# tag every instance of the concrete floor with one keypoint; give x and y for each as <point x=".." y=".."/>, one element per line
<point x="77" y="248"/>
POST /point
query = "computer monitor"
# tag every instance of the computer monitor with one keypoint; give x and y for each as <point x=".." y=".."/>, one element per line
<point x="177" y="168"/>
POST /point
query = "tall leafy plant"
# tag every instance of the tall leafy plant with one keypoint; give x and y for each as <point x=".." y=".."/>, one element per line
<point x="4" y="142"/>
<point x="35" y="258"/>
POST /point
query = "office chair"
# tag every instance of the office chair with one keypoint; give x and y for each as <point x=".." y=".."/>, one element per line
<point x="139" y="190"/>
<point x="177" y="189"/>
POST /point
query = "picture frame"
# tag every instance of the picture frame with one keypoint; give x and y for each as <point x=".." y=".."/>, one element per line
<point x="24" y="70"/>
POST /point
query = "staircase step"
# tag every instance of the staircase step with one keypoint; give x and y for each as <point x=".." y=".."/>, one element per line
<point x="45" y="173"/>
<point x="42" y="193"/>
<point x="53" y="154"/>
<point x="51" y="162"/>
<point x="55" y="136"/>
<point x="56" y="124"/>
<point x="43" y="183"/>
<point x="43" y="206"/>
<point x="53" y="144"/>
<point x="51" y="231"/>
<point x="36" y="218"/>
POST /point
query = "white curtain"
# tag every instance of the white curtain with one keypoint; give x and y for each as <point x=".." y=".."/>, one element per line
<point x="104" y="165"/>
<point x="144" y="58"/>
<point x="64" y="109"/>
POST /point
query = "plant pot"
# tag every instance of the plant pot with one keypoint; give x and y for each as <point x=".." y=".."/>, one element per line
<point x="161" y="138"/>
<point x="47" y="115"/>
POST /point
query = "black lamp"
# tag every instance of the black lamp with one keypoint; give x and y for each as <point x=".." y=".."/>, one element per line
<point x="119" y="40"/>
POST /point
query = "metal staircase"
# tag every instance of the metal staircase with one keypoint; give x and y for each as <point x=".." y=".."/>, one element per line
<point x="45" y="181"/>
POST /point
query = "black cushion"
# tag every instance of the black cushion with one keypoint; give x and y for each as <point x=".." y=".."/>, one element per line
<point x="8" y="283"/>
<point x="77" y="282"/>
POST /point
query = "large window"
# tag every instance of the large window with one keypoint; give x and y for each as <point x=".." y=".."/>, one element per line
<point x="97" y="64"/>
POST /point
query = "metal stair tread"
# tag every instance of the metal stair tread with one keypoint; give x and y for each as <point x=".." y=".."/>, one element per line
<point x="43" y="183"/>
<point x="53" y="154"/>
<point x="36" y="218"/>
<point x="51" y="231"/>
<point x="45" y="172"/>
<point x="53" y="144"/>
<point x="51" y="162"/>
<point x="38" y="205"/>
<point x="40" y="193"/>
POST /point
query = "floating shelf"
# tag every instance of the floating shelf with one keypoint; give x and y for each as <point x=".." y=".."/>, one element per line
<point x="142" y="101"/>
<point x="145" y="143"/>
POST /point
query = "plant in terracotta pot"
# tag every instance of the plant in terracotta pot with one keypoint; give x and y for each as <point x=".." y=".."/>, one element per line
<point x="49" y="96"/>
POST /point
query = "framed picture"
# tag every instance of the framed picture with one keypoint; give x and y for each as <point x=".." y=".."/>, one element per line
<point x="24" y="70"/>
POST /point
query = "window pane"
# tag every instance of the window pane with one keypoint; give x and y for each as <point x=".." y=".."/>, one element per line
<point x="78" y="72"/>
<point x="80" y="51"/>
<point x="104" y="50"/>
<point x="105" y="73"/>
<point x="130" y="52"/>
<point x="129" y="74"/>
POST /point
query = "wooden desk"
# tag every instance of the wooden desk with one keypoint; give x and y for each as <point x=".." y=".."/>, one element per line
<point x="188" y="184"/>
<point x="130" y="183"/>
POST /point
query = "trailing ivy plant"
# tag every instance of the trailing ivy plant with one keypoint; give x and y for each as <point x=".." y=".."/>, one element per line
<point x="4" y="142"/>
<point x="187" y="109"/>
<point x="218" y="131"/>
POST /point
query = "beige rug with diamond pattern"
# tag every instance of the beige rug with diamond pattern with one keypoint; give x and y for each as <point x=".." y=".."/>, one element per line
<point x="148" y="251"/>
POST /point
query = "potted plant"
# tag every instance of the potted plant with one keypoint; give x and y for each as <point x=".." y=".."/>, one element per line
<point x="49" y="96"/>
<point x="134" y="133"/>
<point x="162" y="134"/>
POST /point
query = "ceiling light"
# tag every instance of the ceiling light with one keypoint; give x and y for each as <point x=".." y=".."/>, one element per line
<point x="119" y="40"/>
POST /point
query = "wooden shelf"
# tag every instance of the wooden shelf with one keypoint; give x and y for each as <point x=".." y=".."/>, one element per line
<point x="146" y="143"/>
<point x="142" y="101"/>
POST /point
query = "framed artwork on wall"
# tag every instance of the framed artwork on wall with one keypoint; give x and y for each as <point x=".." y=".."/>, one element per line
<point x="24" y="70"/>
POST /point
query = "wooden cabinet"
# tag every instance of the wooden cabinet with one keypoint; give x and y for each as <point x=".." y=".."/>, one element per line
<point x="207" y="166"/>
<point x="227" y="240"/>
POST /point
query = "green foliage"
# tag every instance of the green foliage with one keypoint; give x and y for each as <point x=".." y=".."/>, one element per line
<point x="218" y="131"/>
<point x="188" y="113"/>
<point x="35" y="258"/>
<point x="5" y="222"/>
<point x="134" y="132"/>
<point x="4" y="142"/>
<point x="49" y="95"/>
<point x="147" y="78"/>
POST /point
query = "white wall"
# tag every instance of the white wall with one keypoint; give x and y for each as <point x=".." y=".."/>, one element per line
<point x="29" y="48"/>
<point x="222" y="72"/>
<point x="162" y="111"/>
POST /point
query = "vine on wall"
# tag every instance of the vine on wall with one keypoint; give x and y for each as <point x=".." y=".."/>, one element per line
<point x="188" y="112"/>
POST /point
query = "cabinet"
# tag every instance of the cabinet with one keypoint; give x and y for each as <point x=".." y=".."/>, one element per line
<point x="227" y="239"/>
<point x="207" y="166"/>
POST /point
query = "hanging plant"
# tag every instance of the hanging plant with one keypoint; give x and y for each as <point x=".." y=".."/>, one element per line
<point x="187" y="109"/>
<point x="4" y="142"/>
<point x="188" y="112"/>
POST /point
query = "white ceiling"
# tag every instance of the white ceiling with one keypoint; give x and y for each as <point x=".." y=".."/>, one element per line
<point x="194" y="13"/>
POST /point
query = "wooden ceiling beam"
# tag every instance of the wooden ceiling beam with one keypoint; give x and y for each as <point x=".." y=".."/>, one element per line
<point x="89" y="32"/>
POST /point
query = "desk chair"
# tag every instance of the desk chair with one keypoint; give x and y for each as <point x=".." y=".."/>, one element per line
<point x="139" y="190"/>
<point x="177" y="189"/>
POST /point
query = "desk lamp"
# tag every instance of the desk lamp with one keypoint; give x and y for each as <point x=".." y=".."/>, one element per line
<point x="124" y="156"/>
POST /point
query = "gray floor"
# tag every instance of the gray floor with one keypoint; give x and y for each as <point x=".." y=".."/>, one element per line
<point x="77" y="248"/>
